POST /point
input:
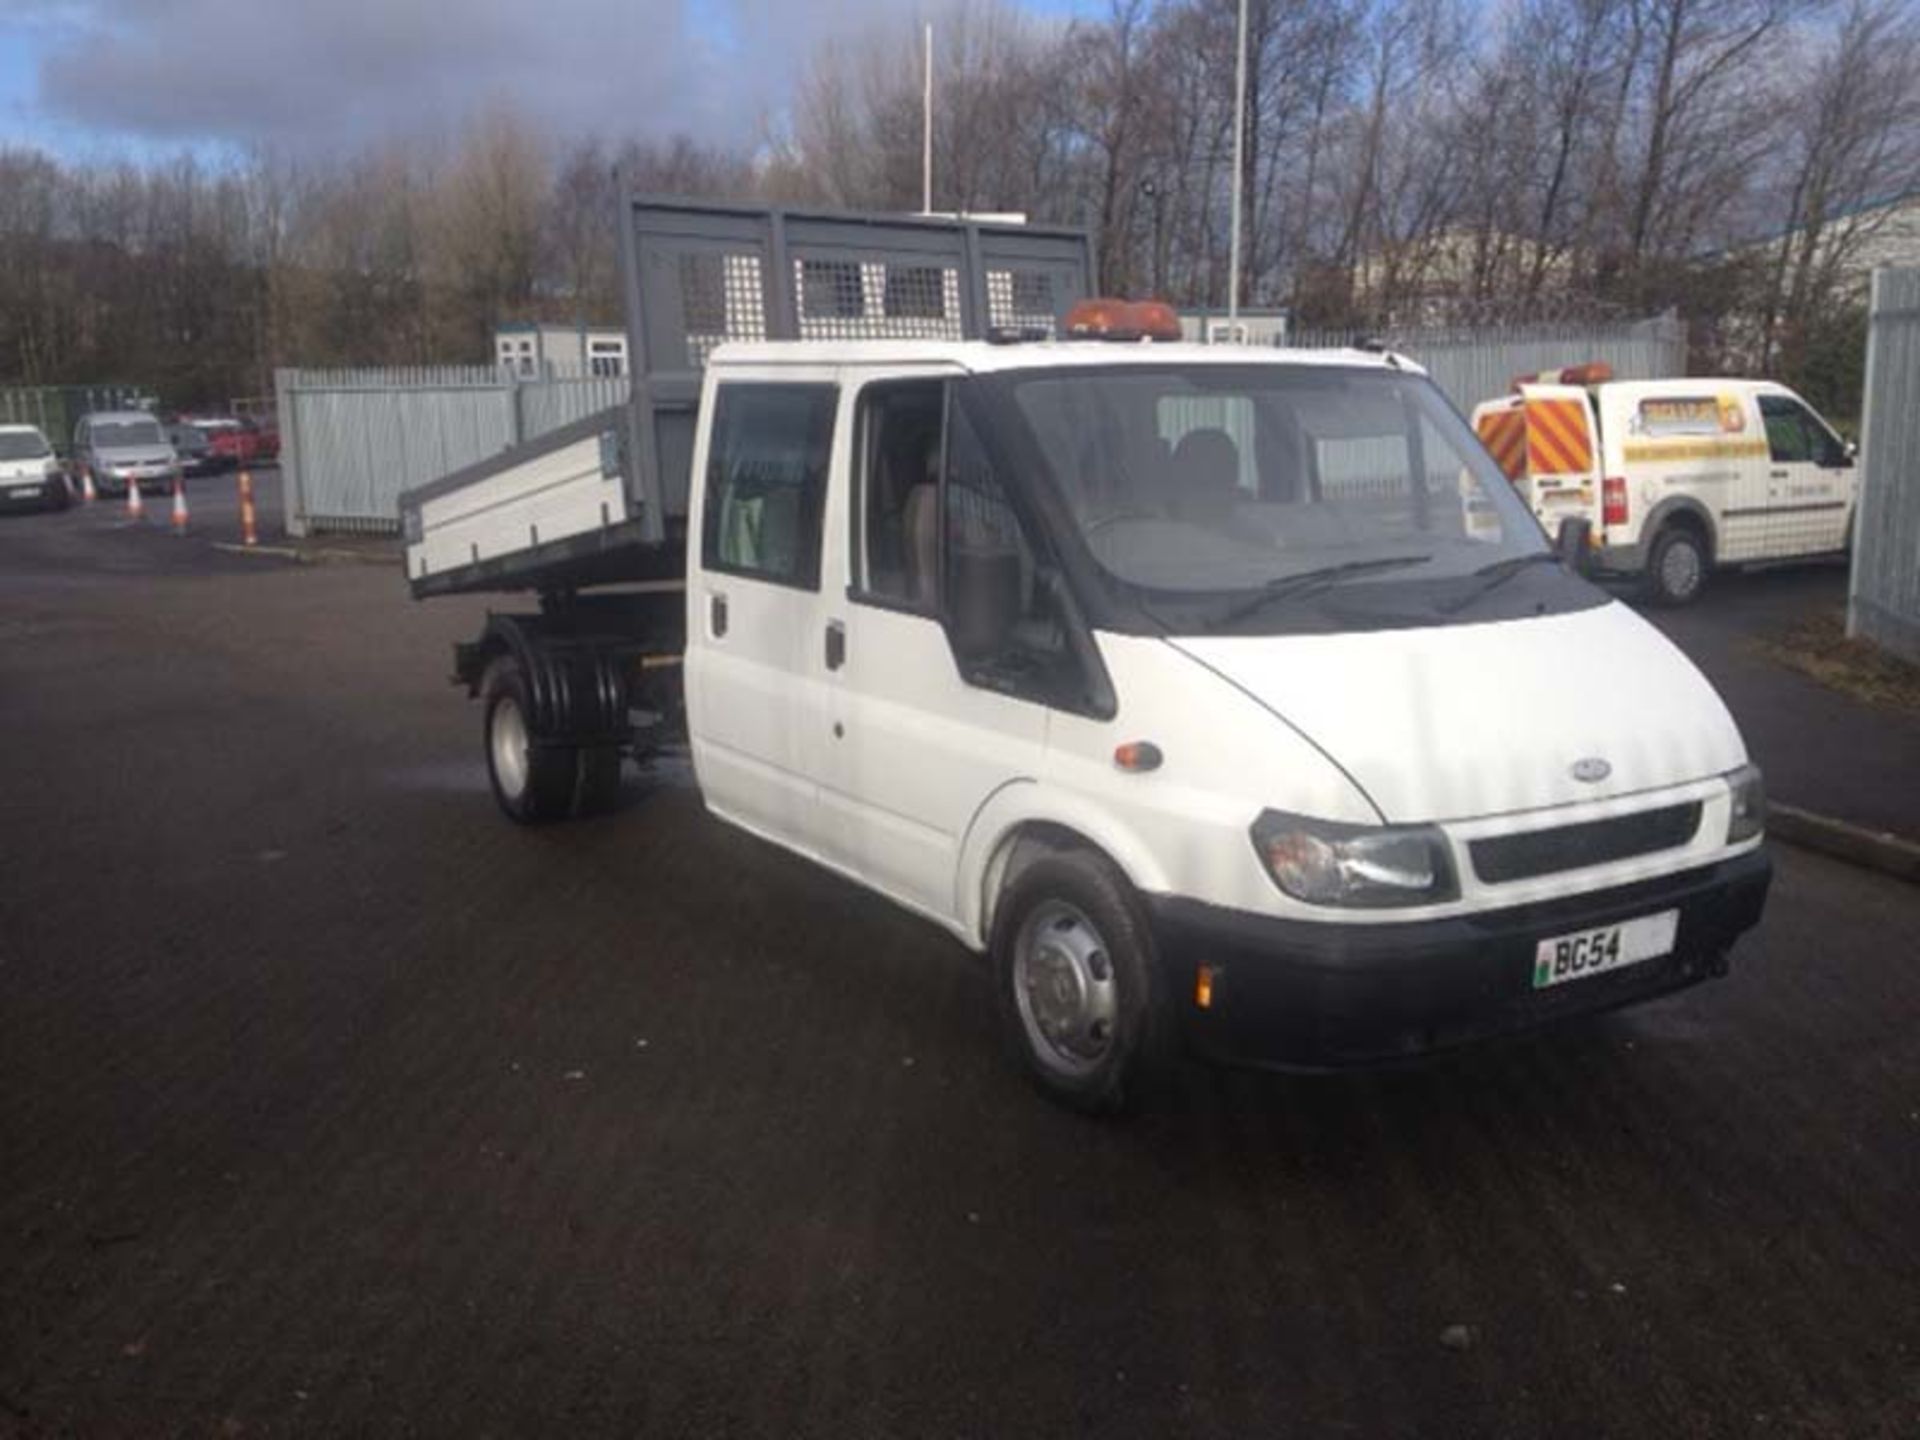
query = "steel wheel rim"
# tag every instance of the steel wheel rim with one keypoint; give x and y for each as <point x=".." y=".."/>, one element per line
<point x="509" y="742"/>
<point x="1680" y="568"/>
<point x="1064" y="986"/>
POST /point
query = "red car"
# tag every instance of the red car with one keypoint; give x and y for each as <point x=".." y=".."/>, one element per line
<point x="231" y="444"/>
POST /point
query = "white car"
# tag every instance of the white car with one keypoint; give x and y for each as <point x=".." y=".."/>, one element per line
<point x="30" y="474"/>
<point x="1676" y="476"/>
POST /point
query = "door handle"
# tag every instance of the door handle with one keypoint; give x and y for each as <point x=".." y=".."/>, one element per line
<point x="1778" y="474"/>
<point x="836" y="645"/>
<point x="717" y="614"/>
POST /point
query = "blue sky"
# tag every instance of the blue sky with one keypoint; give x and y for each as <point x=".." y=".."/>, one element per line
<point x="148" y="78"/>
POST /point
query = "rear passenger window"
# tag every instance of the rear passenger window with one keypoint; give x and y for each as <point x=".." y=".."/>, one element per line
<point x="767" y="481"/>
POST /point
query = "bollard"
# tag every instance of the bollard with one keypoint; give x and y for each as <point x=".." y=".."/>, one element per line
<point x="87" y="493"/>
<point x="249" y="533"/>
<point x="179" y="506"/>
<point x="134" y="508"/>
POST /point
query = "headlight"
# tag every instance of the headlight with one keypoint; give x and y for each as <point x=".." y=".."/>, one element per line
<point x="1748" y="815"/>
<point x="1365" y="866"/>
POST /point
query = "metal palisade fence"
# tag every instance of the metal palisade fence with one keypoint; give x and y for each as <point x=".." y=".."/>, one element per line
<point x="1883" y="598"/>
<point x="1479" y="363"/>
<point x="352" y="440"/>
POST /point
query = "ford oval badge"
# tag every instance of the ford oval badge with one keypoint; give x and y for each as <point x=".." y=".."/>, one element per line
<point x="1592" y="770"/>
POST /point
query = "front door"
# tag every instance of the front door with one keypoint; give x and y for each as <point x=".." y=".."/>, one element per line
<point x="749" y="688"/>
<point x="935" y="644"/>
<point x="1809" y="482"/>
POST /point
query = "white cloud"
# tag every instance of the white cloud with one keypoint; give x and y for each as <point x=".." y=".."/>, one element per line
<point x="326" y="74"/>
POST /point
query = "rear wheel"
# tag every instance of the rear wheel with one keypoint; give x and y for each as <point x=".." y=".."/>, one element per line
<point x="532" y="783"/>
<point x="1678" y="565"/>
<point x="1077" y="984"/>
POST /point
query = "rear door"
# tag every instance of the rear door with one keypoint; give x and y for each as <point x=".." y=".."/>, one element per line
<point x="753" y="597"/>
<point x="1809" y="481"/>
<point x="1560" y="443"/>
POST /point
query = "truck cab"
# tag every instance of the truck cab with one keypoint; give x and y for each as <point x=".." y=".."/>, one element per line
<point x="1242" y="658"/>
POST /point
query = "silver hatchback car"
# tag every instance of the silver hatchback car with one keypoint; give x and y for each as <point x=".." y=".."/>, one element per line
<point x="119" y="446"/>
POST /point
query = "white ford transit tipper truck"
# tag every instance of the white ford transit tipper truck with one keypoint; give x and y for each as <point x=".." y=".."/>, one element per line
<point x="1675" y="476"/>
<point x="1214" y="693"/>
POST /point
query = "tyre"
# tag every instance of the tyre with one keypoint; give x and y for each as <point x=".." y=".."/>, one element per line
<point x="532" y="783"/>
<point x="1077" y="985"/>
<point x="1678" y="565"/>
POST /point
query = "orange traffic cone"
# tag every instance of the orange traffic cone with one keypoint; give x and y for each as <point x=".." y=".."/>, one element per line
<point x="249" y="533"/>
<point x="87" y="493"/>
<point x="134" y="507"/>
<point x="179" y="506"/>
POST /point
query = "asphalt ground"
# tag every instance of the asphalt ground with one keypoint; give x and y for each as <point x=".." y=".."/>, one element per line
<point x="330" y="1103"/>
<point x="1821" y="750"/>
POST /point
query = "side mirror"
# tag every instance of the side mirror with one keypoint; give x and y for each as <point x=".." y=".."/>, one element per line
<point x="1574" y="544"/>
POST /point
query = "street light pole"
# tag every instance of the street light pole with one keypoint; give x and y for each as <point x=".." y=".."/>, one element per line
<point x="926" y="129"/>
<point x="1239" y="172"/>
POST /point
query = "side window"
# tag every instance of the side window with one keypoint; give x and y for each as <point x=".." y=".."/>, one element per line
<point x="898" y="517"/>
<point x="1790" y="435"/>
<point x="936" y="533"/>
<point x="1003" y="622"/>
<point x="767" y="481"/>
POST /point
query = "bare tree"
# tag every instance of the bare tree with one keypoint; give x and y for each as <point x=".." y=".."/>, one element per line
<point x="1851" y="138"/>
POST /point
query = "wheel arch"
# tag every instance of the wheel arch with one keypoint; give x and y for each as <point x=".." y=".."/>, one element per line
<point x="1025" y="820"/>
<point x="576" y="686"/>
<point x="1681" y="510"/>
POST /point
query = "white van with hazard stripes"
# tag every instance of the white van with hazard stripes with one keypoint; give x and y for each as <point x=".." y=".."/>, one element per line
<point x="1675" y="476"/>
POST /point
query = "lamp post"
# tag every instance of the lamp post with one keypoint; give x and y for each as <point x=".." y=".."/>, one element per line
<point x="1239" y="171"/>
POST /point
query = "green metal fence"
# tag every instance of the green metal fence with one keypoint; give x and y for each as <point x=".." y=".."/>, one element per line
<point x="56" y="409"/>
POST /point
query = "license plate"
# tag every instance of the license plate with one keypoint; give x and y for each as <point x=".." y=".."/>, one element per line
<point x="23" y="492"/>
<point x="1603" y="948"/>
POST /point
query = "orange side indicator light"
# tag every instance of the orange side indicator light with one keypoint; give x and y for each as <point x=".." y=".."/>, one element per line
<point x="1203" y="987"/>
<point x="1137" y="756"/>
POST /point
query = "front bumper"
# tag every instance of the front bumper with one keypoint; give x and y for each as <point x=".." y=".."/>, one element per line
<point x="1309" y="995"/>
<point x="16" y="494"/>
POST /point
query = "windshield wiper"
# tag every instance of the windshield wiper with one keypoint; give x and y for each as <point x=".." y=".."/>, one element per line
<point x="1308" y="580"/>
<point x="1495" y="575"/>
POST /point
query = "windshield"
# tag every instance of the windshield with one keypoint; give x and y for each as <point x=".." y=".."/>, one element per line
<point x="23" y="445"/>
<point x="1212" y="479"/>
<point x="124" y="434"/>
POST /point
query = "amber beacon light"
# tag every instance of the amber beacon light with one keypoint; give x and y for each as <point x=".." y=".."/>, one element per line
<point x="1125" y="320"/>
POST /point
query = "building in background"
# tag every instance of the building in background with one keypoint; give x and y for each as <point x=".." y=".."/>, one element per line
<point x="1253" y="327"/>
<point x="531" y="351"/>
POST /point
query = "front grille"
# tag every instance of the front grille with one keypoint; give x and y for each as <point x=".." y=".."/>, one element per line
<point x="1596" y="842"/>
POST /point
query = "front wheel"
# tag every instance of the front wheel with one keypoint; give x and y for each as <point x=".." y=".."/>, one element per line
<point x="1077" y="984"/>
<point x="1677" y="566"/>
